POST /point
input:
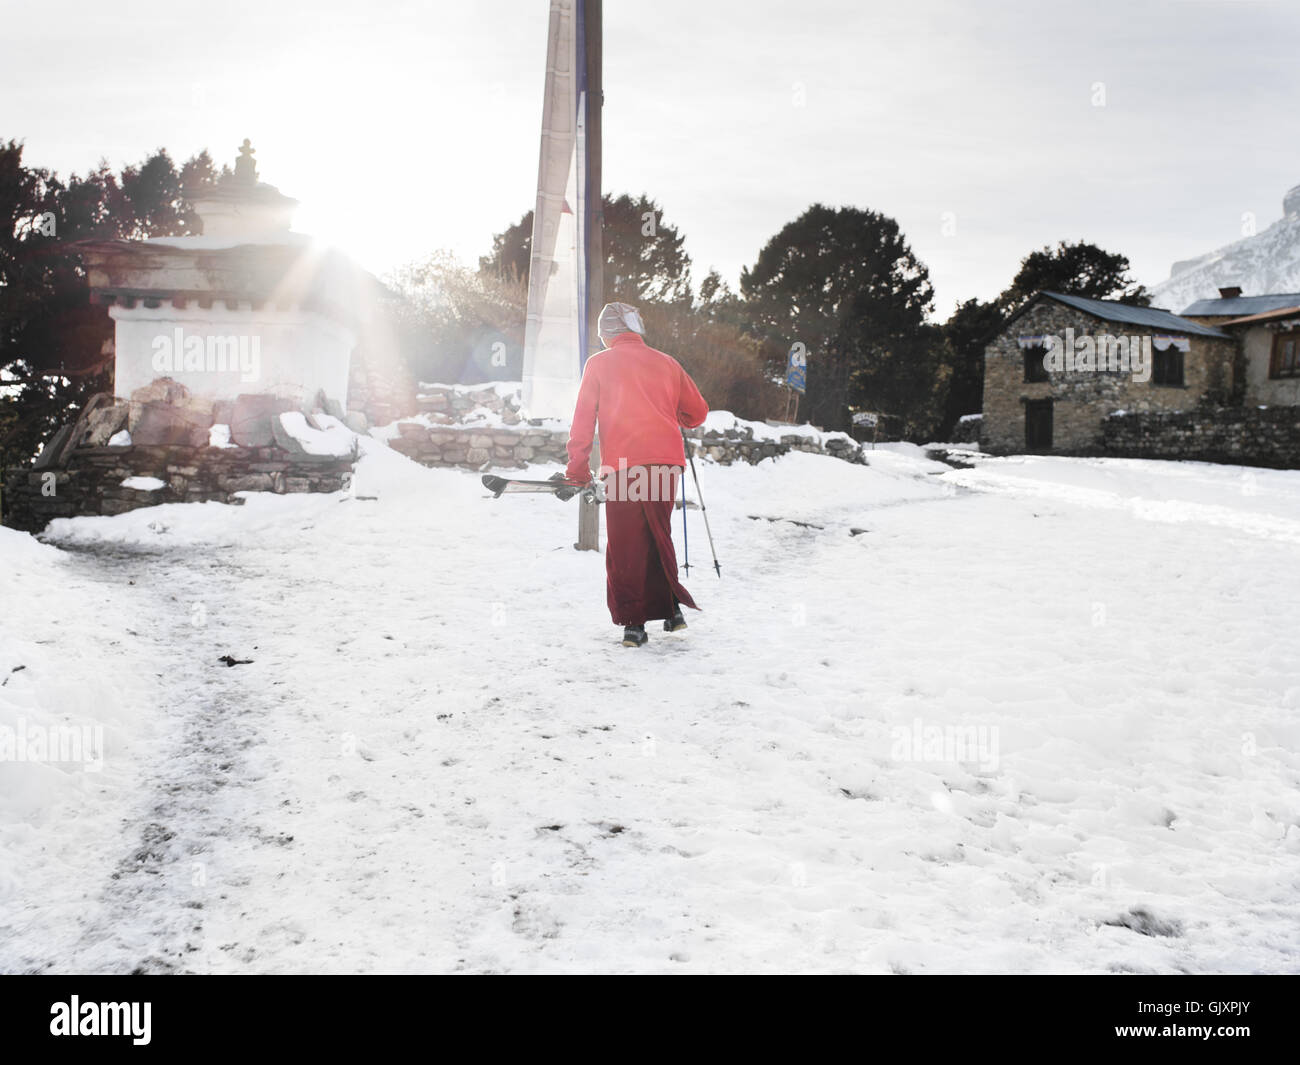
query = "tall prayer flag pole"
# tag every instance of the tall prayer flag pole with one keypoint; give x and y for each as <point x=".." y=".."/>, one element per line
<point x="564" y="275"/>
<point x="594" y="259"/>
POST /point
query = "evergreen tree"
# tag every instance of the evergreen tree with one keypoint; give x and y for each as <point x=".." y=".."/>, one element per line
<point x="968" y="332"/>
<point x="844" y="283"/>
<point x="54" y="345"/>
<point x="644" y="256"/>
<point x="1078" y="269"/>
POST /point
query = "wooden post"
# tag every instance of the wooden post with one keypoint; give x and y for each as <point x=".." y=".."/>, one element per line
<point x="589" y="513"/>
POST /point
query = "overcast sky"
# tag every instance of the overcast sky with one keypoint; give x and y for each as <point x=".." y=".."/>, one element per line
<point x="407" y="127"/>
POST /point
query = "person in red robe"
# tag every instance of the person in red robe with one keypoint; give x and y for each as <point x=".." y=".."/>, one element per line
<point x="639" y="400"/>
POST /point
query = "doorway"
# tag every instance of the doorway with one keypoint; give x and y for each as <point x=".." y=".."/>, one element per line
<point x="1038" y="425"/>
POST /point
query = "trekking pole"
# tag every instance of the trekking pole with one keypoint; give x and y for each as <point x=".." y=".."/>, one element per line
<point x="686" y="544"/>
<point x="717" y="568"/>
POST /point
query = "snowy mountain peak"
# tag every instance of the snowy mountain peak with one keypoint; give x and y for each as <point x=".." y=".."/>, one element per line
<point x="1291" y="201"/>
<point x="1263" y="262"/>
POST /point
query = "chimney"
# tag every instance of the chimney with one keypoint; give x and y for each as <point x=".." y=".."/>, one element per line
<point x="1230" y="293"/>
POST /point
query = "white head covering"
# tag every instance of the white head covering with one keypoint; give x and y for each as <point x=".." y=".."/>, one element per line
<point x="618" y="318"/>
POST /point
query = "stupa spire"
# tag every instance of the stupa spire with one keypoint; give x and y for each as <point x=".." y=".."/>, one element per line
<point x="246" y="165"/>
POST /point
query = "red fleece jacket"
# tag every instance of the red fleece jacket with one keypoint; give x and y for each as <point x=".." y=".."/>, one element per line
<point x="640" y="398"/>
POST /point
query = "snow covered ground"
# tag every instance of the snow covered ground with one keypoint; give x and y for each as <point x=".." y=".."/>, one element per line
<point x="1039" y="715"/>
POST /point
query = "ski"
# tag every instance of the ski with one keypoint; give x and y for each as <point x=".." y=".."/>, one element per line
<point x="557" y="486"/>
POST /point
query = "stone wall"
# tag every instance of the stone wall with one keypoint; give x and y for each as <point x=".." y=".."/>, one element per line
<point x="380" y="387"/>
<point x="80" y="473"/>
<point x="167" y="433"/>
<point x="1081" y="400"/>
<point x="513" y="447"/>
<point x="452" y="404"/>
<point x="481" y="428"/>
<point x="740" y="445"/>
<point x="479" y="448"/>
<point x="446" y="434"/>
<point x="91" y="480"/>
<point x="1249" y="436"/>
<point x="968" y="429"/>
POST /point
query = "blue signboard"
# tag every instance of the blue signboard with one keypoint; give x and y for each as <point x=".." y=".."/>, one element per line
<point x="796" y="368"/>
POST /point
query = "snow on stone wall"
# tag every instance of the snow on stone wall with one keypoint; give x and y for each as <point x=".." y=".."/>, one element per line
<point x="113" y="480"/>
<point x="479" y="427"/>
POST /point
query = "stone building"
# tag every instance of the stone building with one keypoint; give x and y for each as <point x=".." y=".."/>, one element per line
<point x="1063" y="364"/>
<point x="1268" y="330"/>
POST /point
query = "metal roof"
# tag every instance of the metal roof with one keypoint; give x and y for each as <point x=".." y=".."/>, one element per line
<point x="1149" y="317"/>
<point x="1241" y="306"/>
<point x="1267" y="316"/>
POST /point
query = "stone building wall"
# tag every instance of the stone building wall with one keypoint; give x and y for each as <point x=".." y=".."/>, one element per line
<point x="1248" y="436"/>
<point x="1082" y="399"/>
<point x="1262" y="390"/>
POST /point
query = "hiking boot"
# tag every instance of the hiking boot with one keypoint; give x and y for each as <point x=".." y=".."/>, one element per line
<point x="675" y="623"/>
<point x="634" y="636"/>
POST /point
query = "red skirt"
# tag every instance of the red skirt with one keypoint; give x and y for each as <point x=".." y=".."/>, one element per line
<point x="640" y="560"/>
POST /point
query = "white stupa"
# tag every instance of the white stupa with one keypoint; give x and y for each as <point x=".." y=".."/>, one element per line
<point x="247" y="307"/>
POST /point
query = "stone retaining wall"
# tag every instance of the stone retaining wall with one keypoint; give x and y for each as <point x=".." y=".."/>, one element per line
<point x="479" y="448"/>
<point x="1248" y="436"/>
<point x="169" y="430"/>
<point x="508" y="441"/>
<point x="450" y="404"/>
<point x="91" y="480"/>
<point x="165" y="432"/>
<point x="513" y="447"/>
<point x="739" y="445"/>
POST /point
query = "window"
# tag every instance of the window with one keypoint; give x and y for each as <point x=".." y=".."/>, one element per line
<point x="1034" y="368"/>
<point x="1167" y="368"/>
<point x="1286" y="355"/>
